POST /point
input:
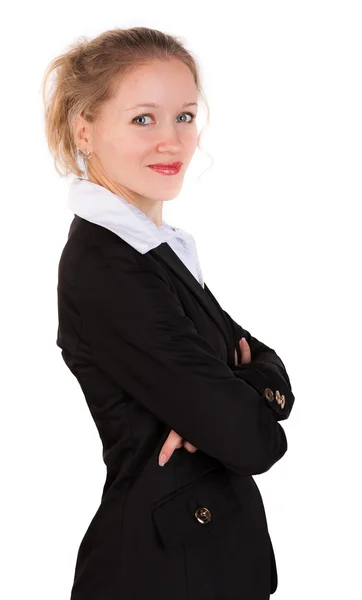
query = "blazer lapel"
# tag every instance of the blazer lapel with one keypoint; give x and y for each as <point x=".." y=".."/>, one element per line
<point x="209" y="303"/>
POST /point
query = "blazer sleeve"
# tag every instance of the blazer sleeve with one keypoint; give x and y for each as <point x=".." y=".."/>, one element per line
<point x="141" y="338"/>
<point x="266" y="371"/>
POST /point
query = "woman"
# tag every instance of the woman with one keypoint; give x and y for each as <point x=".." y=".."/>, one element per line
<point x="161" y="364"/>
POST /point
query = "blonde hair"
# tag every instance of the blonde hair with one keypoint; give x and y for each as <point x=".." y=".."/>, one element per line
<point x="86" y="76"/>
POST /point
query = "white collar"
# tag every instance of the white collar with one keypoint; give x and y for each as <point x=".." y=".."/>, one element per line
<point x="99" y="205"/>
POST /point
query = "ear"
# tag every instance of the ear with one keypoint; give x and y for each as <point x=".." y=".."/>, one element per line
<point x="82" y="133"/>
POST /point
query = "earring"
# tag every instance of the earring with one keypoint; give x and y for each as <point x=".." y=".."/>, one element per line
<point x="88" y="154"/>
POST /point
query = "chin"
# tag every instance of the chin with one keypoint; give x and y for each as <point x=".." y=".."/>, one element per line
<point x="171" y="193"/>
<point x="164" y="197"/>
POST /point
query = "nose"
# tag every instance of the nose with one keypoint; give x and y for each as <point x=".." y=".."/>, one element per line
<point x="169" y="139"/>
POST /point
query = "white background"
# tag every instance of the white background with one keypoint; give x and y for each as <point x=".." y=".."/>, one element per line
<point x="277" y="226"/>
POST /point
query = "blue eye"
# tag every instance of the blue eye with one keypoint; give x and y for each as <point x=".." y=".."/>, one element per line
<point x="192" y="115"/>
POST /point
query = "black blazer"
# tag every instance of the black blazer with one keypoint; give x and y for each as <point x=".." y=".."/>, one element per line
<point x="153" y="351"/>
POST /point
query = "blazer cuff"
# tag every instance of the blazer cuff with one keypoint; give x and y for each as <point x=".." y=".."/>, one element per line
<point x="271" y="382"/>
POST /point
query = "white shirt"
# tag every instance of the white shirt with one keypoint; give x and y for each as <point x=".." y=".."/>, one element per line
<point x="98" y="205"/>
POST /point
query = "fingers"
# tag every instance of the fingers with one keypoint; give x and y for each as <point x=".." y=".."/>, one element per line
<point x="173" y="441"/>
<point x="189" y="447"/>
<point x="245" y="351"/>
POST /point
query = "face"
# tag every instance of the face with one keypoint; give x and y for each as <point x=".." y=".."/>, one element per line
<point x="125" y="139"/>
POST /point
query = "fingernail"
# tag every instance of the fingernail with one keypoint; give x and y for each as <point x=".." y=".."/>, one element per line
<point x="242" y="338"/>
<point x="162" y="460"/>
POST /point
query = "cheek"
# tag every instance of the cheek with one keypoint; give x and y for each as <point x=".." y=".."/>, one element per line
<point x="134" y="150"/>
<point x="190" y="140"/>
<point x="122" y="152"/>
<point x="109" y="145"/>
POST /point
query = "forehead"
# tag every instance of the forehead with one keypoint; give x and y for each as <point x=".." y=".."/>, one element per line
<point x="160" y="82"/>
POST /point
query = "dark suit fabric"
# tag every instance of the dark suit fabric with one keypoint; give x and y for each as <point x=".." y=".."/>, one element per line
<point x="153" y="351"/>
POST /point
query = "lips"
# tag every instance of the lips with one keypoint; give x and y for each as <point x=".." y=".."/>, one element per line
<point x="167" y="168"/>
<point x="174" y="165"/>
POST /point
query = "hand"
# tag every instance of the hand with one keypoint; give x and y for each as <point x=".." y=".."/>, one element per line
<point x="245" y="352"/>
<point x="174" y="440"/>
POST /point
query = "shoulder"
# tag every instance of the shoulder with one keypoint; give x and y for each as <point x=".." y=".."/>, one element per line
<point x="91" y="250"/>
<point x="88" y="246"/>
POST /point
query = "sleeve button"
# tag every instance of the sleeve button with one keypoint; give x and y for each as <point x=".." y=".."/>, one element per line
<point x="269" y="394"/>
<point x="278" y="397"/>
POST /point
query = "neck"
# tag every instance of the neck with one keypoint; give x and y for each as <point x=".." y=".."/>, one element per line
<point x="151" y="208"/>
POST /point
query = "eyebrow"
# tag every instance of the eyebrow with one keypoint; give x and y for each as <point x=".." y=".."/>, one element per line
<point x="153" y="105"/>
